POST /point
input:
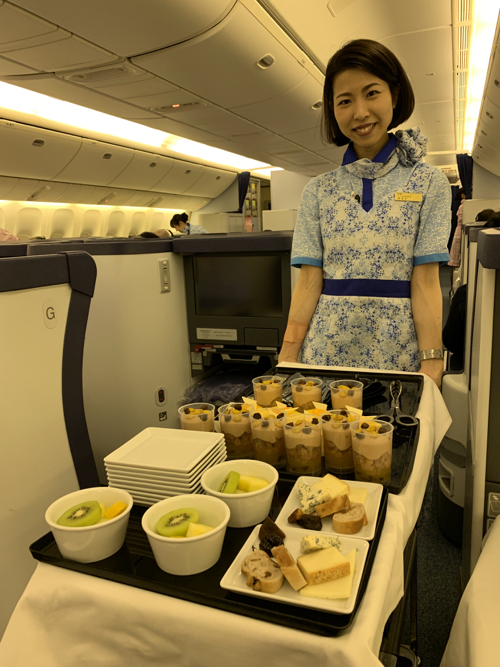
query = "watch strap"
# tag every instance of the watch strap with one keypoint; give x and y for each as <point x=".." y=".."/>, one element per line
<point x="435" y="353"/>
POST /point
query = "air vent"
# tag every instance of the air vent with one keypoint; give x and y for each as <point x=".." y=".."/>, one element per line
<point x="266" y="61"/>
<point x="497" y="83"/>
<point x="107" y="156"/>
<point x="489" y="115"/>
<point x="483" y="132"/>
<point x="317" y="105"/>
<point x="152" y="165"/>
<point x="217" y="178"/>
<point x="187" y="172"/>
<point x="38" y="143"/>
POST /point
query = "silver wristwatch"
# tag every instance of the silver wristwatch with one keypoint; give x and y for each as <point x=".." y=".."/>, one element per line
<point x="430" y="354"/>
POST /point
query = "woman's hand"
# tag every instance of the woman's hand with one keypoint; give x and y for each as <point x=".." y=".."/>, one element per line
<point x="433" y="368"/>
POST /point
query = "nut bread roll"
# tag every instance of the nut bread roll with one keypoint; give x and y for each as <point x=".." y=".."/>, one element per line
<point x="350" y="521"/>
<point x="334" y="505"/>
<point x="289" y="567"/>
<point x="262" y="574"/>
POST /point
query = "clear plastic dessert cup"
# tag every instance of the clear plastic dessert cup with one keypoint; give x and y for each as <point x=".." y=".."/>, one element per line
<point x="306" y="392"/>
<point x="303" y="444"/>
<point x="267" y="390"/>
<point x="268" y="436"/>
<point x="234" y="420"/>
<point x="346" y="394"/>
<point x="372" y="450"/>
<point x="337" y="442"/>
<point x="197" y="417"/>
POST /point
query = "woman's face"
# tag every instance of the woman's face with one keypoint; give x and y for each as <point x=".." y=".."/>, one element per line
<point x="363" y="107"/>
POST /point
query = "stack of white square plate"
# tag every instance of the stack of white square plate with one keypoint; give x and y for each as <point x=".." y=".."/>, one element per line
<point x="162" y="462"/>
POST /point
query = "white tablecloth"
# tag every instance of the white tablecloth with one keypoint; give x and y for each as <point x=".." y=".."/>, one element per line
<point x="68" y="619"/>
<point x="475" y="636"/>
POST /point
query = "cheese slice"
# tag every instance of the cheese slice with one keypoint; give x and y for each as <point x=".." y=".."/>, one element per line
<point x="323" y="565"/>
<point x="315" y="542"/>
<point x="332" y="485"/>
<point x="339" y="589"/>
<point x="358" y="495"/>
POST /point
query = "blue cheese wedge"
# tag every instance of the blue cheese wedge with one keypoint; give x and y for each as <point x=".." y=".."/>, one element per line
<point x="339" y="589"/>
<point x="315" y="542"/>
<point x="311" y="497"/>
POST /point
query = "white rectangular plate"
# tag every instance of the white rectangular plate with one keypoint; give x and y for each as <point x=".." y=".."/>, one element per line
<point x="165" y="449"/>
<point x="371" y="507"/>
<point x="235" y="581"/>
<point x="134" y="478"/>
<point x="152" y="499"/>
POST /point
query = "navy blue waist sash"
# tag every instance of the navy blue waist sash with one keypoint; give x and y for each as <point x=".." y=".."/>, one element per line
<point x="397" y="289"/>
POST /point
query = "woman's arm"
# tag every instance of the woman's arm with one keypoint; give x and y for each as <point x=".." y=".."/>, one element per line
<point x="303" y="304"/>
<point x="427" y="306"/>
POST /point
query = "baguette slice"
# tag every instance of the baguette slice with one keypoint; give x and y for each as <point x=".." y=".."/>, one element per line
<point x="350" y="521"/>
<point x="289" y="567"/>
<point x="334" y="505"/>
<point x="323" y="565"/>
<point x="262" y="574"/>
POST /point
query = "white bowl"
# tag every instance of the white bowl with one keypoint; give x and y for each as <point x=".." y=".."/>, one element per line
<point x="247" y="509"/>
<point x="188" y="555"/>
<point x="89" y="544"/>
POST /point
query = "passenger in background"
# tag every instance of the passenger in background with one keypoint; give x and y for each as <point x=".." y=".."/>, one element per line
<point x="7" y="236"/>
<point x="181" y="224"/>
<point x="371" y="234"/>
<point x="493" y="221"/>
<point x="159" y="234"/>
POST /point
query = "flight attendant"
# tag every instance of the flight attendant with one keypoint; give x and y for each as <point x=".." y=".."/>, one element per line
<point x="180" y="223"/>
<point x="370" y="235"/>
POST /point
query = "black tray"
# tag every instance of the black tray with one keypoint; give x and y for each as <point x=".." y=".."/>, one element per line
<point x="134" y="565"/>
<point x="376" y="401"/>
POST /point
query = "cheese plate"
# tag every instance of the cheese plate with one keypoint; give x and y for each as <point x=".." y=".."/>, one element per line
<point x="235" y="581"/>
<point x="372" y="505"/>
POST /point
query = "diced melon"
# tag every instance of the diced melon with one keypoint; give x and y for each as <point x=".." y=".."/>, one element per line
<point x="115" y="509"/>
<point x="240" y="491"/>
<point x="339" y="589"/>
<point x="248" y="483"/>
<point x="195" y="529"/>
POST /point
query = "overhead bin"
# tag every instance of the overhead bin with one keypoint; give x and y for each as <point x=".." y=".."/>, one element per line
<point x="31" y="41"/>
<point x="31" y="152"/>
<point x="212" y="183"/>
<point x="145" y="26"/>
<point x="22" y="189"/>
<point x="293" y="111"/>
<point x="184" y="202"/>
<point x="493" y="83"/>
<point x="96" y="163"/>
<point x="51" y="191"/>
<point x="144" y="171"/>
<point x="237" y="62"/>
<point x="11" y="68"/>
<point x="180" y="178"/>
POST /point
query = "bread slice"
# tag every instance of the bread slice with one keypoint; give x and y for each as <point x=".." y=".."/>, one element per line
<point x="334" y="505"/>
<point x="262" y="574"/>
<point x="350" y="521"/>
<point x="323" y="565"/>
<point x="289" y="567"/>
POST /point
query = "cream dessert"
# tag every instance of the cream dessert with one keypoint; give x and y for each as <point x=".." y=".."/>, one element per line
<point x="197" y="417"/>
<point x="268" y="436"/>
<point x="337" y="442"/>
<point x="306" y="392"/>
<point x="303" y="444"/>
<point x="346" y="393"/>
<point x="372" y="451"/>
<point x="267" y="390"/>
<point x="234" y="420"/>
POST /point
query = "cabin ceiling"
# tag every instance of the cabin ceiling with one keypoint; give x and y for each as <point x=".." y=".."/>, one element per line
<point x="137" y="59"/>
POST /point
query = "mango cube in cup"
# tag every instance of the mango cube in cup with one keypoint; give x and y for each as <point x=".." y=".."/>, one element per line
<point x="346" y="394"/>
<point x="184" y="556"/>
<point x="247" y="509"/>
<point x="268" y="390"/>
<point x="306" y="391"/>
<point x="197" y="417"/>
<point x="90" y="544"/>
<point x="372" y="450"/>
<point x="234" y="421"/>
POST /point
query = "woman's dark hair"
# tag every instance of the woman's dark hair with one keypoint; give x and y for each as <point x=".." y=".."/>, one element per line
<point x="179" y="217"/>
<point x="485" y="215"/>
<point x="369" y="56"/>
<point x="458" y="196"/>
<point x="493" y="221"/>
<point x="147" y="235"/>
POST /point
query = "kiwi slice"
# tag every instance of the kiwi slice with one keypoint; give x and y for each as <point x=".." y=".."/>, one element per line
<point x="84" y="514"/>
<point x="176" y="522"/>
<point x="230" y="483"/>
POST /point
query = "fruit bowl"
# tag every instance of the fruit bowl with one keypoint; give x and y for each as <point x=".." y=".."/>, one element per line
<point x="247" y="509"/>
<point x="91" y="543"/>
<point x="187" y="555"/>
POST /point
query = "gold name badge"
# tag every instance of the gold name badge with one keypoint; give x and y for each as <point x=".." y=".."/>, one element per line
<point x="408" y="196"/>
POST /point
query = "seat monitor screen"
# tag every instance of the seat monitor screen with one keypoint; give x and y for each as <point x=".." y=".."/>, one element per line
<point x="241" y="286"/>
